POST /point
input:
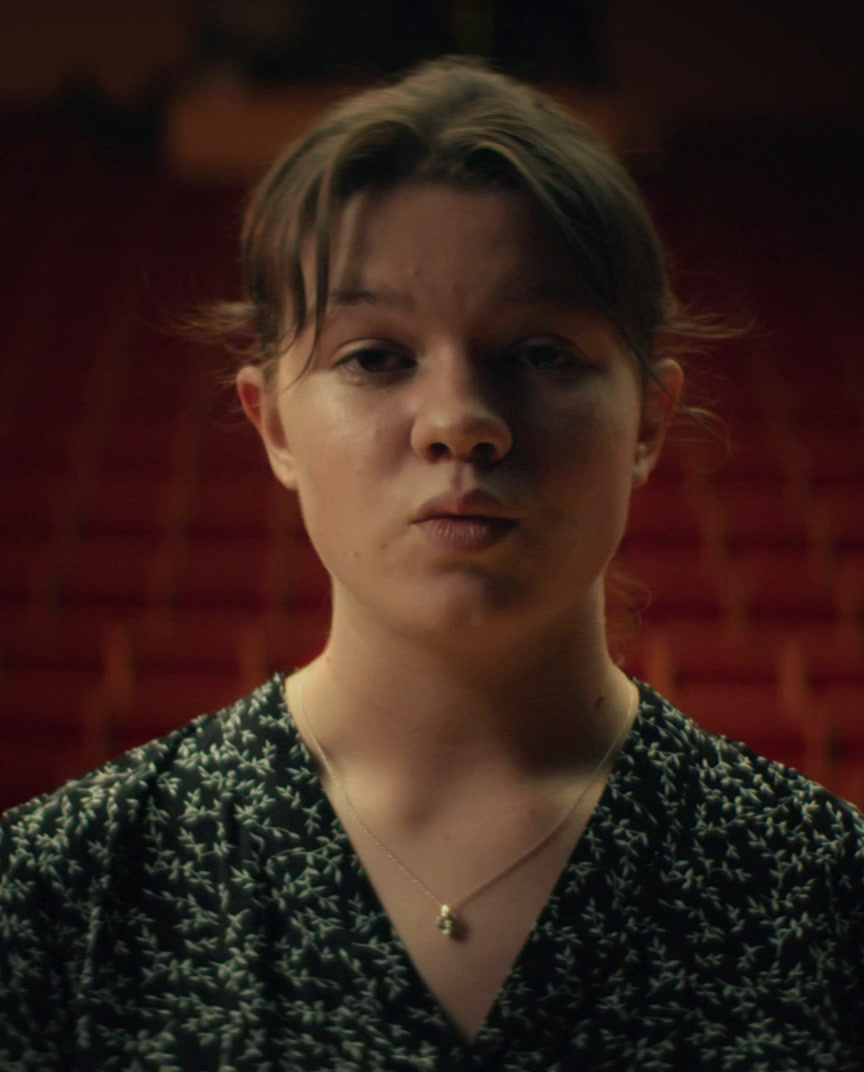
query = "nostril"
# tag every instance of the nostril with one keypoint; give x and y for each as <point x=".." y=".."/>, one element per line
<point x="441" y="433"/>
<point x="485" y="453"/>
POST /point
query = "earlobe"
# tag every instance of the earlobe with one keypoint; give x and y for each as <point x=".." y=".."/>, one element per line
<point x="258" y="399"/>
<point x="661" y="395"/>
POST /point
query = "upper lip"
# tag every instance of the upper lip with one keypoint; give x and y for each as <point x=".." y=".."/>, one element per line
<point x="473" y="503"/>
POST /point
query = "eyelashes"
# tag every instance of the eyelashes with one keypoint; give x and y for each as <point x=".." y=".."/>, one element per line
<point x="378" y="360"/>
<point x="384" y="360"/>
<point x="547" y="357"/>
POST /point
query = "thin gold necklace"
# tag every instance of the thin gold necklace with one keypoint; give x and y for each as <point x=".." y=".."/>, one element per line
<point x="446" y="920"/>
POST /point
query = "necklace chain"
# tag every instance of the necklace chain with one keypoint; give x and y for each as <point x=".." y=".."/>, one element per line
<point x="446" y="920"/>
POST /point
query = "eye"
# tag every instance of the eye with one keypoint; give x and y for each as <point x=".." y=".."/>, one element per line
<point x="377" y="361"/>
<point x="547" y="356"/>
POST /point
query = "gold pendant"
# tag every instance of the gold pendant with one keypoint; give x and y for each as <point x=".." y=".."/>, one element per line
<point x="445" y="920"/>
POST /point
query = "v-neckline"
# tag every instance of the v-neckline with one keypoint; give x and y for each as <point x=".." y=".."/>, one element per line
<point x="421" y="992"/>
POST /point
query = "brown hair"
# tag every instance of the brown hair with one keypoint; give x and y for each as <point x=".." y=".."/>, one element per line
<point x="453" y="120"/>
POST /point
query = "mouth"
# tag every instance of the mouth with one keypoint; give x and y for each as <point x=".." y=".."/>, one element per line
<point x="465" y="532"/>
<point x="473" y="505"/>
<point x="472" y="520"/>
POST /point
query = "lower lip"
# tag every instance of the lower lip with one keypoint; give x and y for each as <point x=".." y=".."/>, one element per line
<point x="466" y="533"/>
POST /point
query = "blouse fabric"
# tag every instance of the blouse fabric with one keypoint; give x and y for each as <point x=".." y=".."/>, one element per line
<point x="196" y="905"/>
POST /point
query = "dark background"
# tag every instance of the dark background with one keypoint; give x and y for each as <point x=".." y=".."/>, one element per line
<point x="150" y="569"/>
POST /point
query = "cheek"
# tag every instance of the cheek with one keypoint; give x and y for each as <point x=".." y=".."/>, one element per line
<point x="590" y="435"/>
<point x="340" y="471"/>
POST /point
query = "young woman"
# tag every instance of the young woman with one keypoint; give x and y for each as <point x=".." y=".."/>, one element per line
<point x="461" y="838"/>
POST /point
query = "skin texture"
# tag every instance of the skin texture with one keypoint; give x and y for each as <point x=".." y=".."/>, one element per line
<point x="464" y="444"/>
<point x="456" y="361"/>
<point x="451" y="365"/>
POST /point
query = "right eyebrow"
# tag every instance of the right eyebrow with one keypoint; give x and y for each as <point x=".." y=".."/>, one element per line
<point x="351" y="296"/>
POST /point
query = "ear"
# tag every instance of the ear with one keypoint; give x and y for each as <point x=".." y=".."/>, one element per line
<point x="259" y="401"/>
<point x="660" y="397"/>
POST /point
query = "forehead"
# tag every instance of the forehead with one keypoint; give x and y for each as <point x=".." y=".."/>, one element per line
<point x="419" y="235"/>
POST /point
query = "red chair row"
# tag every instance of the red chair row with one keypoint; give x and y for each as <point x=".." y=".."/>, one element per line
<point x="84" y="689"/>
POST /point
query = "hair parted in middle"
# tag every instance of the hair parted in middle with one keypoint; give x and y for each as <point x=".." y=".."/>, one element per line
<point x="453" y="121"/>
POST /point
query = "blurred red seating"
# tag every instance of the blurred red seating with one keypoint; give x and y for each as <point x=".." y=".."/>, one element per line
<point x="728" y="686"/>
<point x="24" y="560"/>
<point x="663" y="510"/>
<point x="671" y="583"/>
<point x="119" y="573"/>
<point x="832" y="449"/>
<point x="49" y="676"/>
<point x="232" y="503"/>
<point x="228" y="570"/>
<point x="745" y="514"/>
<point x="778" y="584"/>
<point x="160" y="677"/>
<point x="124" y="502"/>
<point x="837" y="513"/>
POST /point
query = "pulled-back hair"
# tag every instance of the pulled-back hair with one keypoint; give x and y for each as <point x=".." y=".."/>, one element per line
<point x="451" y="120"/>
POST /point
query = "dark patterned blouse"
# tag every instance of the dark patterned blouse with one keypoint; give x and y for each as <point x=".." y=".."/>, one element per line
<point x="196" y="905"/>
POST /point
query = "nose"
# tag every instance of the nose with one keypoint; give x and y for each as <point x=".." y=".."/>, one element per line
<point x="458" y="417"/>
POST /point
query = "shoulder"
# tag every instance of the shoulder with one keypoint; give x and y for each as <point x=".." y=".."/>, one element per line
<point x="62" y="839"/>
<point x="723" y="793"/>
<point x="748" y="894"/>
<point x="126" y="846"/>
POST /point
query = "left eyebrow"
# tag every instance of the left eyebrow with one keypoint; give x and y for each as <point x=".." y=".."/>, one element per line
<point x="352" y="296"/>
<point x="537" y="293"/>
<point x="525" y="293"/>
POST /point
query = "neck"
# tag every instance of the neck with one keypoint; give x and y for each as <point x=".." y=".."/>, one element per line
<point x="545" y="706"/>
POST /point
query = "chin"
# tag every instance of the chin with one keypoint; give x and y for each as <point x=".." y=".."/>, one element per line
<point x="467" y="609"/>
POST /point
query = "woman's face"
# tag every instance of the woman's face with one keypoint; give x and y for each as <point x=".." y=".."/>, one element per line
<point x="466" y="438"/>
